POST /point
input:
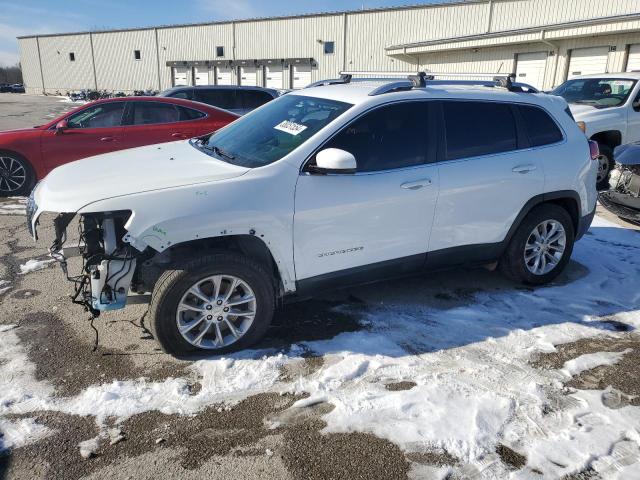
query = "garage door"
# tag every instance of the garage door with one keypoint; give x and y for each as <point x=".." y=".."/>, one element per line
<point x="248" y="76"/>
<point x="180" y="76"/>
<point x="531" y="67"/>
<point x="588" y="60"/>
<point x="273" y="76"/>
<point x="223" y="76"/>
<point x="200" y="75"/>
<point x="301" y="76"/>
<point x="633" y="63"/>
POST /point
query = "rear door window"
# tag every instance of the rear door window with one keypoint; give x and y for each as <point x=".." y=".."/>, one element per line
<point x="186" y="94"/>
<point x="539" y="126"/>
<point x="149" y="113"/>
<point x="251" y="99"/>
<point x="218" y="97"/>
<point x="478" y="128"/>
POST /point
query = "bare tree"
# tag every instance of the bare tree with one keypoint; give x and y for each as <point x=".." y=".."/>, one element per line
<point x="11" y="74"/>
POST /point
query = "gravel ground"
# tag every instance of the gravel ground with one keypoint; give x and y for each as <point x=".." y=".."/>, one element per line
<point x="218" y="442"/>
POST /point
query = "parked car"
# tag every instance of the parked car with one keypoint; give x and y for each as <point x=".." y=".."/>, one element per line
<point x="623" y="198"/>
<point x="237" y="99"/>
<point x="17" y="88"/>
<point x="609" y="106"/>
<point x="5" y="88"/>
<point x="27" y="155"/>
<point x="326" y="186"/>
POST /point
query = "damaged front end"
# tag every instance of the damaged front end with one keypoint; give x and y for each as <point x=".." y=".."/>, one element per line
<point x="108" y="263"/>
<point x="623" y="198"/>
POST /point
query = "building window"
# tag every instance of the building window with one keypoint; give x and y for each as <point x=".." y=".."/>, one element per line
<point x="219" y="51"/>
<point x="136" y="54"/>
<point x="329" y="47"/>
<point x="72" y="57"/>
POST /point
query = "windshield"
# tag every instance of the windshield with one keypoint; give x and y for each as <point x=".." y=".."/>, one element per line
<point x="598" y="92"/>
<point x="273" y="131"/>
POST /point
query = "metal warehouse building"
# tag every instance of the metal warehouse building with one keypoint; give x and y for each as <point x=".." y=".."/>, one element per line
<point x="543" y="41"/>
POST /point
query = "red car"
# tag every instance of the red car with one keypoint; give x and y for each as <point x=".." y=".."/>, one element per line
<point x="104" y="126"/>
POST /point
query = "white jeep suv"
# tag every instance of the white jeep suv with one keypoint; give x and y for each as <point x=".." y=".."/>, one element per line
<point x="609" y="106"/>
<point x="340" y="183"/>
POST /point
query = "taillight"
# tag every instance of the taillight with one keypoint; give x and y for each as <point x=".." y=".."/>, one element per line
<point x="582" y="126"/>
<point x="594" y="150"/>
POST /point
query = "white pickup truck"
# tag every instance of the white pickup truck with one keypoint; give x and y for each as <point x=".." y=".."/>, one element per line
<point x="609" y="105"/>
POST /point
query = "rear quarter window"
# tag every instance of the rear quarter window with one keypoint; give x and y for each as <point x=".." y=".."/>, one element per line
<point x="540" y="127"/>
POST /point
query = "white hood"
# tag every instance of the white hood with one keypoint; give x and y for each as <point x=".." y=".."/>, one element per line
<point x="580" y="110"/>
<point x="74" y="185"/>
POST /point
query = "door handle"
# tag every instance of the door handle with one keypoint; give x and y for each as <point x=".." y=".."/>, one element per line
<point x="523" y="168"/>
<point x="107" y="139"/>
<point x="179" y="135"/>
<point x="417" y="185"/>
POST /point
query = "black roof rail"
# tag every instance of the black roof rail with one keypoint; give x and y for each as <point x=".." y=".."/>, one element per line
<point x="423" y="79"/>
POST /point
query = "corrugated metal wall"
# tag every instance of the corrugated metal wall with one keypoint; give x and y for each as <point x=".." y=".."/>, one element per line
<point x="360" y="41"/>
<point x="192" y="43"/>
<point x="30" y="63"/>
<point x="116" y="66"/>
<point x="60" y="73"/>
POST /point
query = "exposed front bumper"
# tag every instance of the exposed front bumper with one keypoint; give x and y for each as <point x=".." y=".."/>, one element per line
<point x="621" y="204"/>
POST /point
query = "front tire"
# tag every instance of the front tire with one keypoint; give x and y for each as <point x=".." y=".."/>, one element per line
<point x="216" y="304"/>
<point x="605" y="165"/>
<point x="541" y="247"/>
<point x="16" y="175"/>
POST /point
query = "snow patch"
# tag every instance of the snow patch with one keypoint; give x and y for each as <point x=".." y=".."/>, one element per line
<point x="592" y="360"/>
<point x="34" y="265"/>
<point x="16" y="434"/>
<point x="474" y="388"/>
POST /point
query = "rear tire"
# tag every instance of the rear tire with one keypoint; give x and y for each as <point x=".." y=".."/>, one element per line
<point x="16" y="175"/>
<point x="605" y="165"/>
<point x="546" y="235"/>
<point x="185" y="323"/>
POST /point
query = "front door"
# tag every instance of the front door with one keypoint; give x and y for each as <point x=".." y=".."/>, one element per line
<point x="378" y="218"/>
<point x="95" y="130"/>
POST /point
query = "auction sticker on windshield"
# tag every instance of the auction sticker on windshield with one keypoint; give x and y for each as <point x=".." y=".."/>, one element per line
<point x="292" y="128"/>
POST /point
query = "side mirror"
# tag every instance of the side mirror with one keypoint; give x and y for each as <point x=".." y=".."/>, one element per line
<point x="636" y="105"/>
<point x="334" y="160"/>
<point x="61" y="126"/>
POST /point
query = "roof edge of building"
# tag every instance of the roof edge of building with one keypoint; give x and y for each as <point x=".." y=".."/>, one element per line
<point x="417" y="6"/>
<point x="504" y="33"/>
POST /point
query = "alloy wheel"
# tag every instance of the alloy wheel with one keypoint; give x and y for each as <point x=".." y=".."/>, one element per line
<point x="12" y="175"/>
<point x="603" y="167"/>
<point x="545" y="247"/>
<point x="216" y="311"/>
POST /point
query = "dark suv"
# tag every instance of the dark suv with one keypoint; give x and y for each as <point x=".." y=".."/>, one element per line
<point x="234" y="98"/>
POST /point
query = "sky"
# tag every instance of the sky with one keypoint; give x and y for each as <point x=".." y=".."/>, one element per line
<point x="29" y="17"/>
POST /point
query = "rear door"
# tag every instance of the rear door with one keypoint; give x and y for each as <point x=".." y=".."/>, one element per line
<point x="92" y="131"/>
<point x="487" y="172"/>
<point x="156" y="122"/>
